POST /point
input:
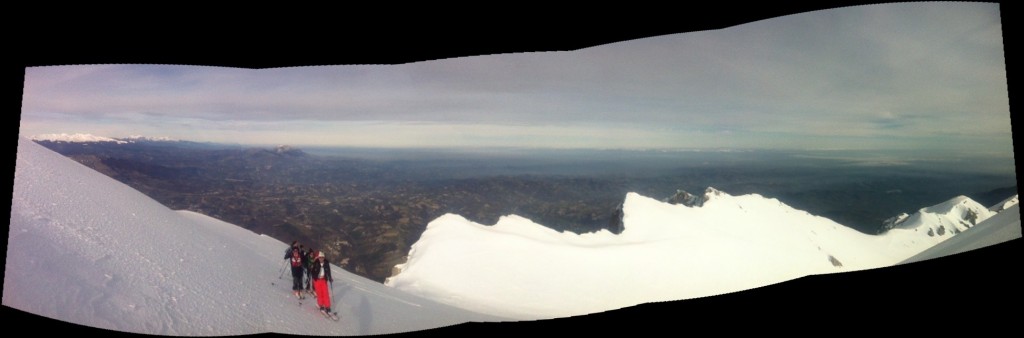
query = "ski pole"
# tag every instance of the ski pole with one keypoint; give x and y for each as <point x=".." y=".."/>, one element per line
<point x="332" y="294"/>
<point x="283" y="264"/>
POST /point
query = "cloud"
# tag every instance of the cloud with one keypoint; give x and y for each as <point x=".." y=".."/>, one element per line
<point x="894" y="70"/>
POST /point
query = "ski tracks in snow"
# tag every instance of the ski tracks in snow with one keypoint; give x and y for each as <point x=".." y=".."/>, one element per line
<point x="356" y="284"/>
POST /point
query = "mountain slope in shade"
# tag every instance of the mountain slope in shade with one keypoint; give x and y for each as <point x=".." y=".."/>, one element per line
<point x="86" y="249"/>
<point x="521" y="269"/>
<point x="1005" y="204"/>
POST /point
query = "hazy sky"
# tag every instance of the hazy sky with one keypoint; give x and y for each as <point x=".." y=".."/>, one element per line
<point x="893" y="76"/>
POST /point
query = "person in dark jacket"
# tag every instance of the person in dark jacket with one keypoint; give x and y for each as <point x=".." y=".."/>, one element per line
<point x="296" y="263"/>
<point x="288" y="256"/>
<point x="321" y="273"/>
<point x="309" y="256"/>
<point x="304" y="253"/>
<point x="288" y="251"/>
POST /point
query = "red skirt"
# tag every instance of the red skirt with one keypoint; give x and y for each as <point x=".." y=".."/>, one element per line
<point x="323" y="295"/>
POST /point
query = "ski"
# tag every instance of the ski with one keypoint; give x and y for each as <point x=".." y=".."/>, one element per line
<point x="330" y="315"/>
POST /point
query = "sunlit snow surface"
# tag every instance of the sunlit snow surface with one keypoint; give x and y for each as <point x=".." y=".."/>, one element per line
<point x="86" y="249"/>
<point x="521" y="269"/>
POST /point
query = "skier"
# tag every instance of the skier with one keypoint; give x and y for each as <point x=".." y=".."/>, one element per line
<point x="296" y="263"/>
<point x="287" y="256"/>
<point x="309" y="259"/>
<point x="288" y="251"/>
<point x="321" y="276"/>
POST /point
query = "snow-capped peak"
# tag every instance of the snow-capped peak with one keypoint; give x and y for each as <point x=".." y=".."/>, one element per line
<point x="1005" y="204"/>
<point x="947" y="206"/>
<point x="283" y="148"/>
<point x="288" y="150"/>
<point x="139" y="138"/>
<point x="942" y="220"/>
<point x="78" y="138"/>
<point x="685" y="198"/>
<point x="90" y="138"/>
<point x="711" y="192"/>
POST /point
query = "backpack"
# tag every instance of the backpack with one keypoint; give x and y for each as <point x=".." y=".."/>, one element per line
<point x="296" y="258"/>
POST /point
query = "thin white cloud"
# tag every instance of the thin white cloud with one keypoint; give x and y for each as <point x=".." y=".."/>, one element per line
<point x="899" y="71"/>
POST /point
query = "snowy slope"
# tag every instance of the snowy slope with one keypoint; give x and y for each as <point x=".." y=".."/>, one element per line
<point x="520" y="269"/>
<point x="997" y="229"/>
<point x="87" y="249"/>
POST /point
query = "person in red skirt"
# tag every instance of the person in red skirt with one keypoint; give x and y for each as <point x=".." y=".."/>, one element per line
<point x="321" y="273"/>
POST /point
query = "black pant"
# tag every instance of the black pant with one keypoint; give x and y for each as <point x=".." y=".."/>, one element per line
<point x="296" y="278"/>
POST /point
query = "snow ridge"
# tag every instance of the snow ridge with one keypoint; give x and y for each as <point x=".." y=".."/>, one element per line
<point x="708" y="245"/>
<point x="944" y="219"/>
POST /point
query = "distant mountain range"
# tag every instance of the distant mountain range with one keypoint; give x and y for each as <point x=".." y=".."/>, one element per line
<point x="89" y="138"/>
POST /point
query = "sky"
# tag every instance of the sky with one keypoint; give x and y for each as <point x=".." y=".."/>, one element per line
<point x="918" y="76"/>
